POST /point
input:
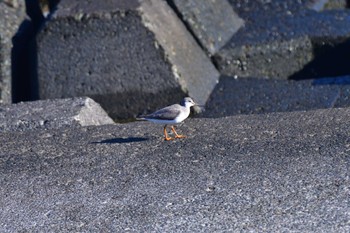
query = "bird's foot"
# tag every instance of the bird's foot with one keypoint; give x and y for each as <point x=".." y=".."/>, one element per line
<point x="168" y="138"/>
<point x="177" y="135"/>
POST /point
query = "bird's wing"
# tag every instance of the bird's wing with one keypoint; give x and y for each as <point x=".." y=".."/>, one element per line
<point x="167" y="113"/>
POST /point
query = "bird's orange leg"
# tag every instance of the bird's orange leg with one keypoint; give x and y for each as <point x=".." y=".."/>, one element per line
<point x="167" y="138"/>
<point x="177" y="135"/>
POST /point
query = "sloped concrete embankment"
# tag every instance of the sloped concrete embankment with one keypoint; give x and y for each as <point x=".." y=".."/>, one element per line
<point x="272" y="172"/>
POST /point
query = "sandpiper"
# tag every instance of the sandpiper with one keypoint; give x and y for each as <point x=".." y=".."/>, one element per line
<point x="171" y="115"/>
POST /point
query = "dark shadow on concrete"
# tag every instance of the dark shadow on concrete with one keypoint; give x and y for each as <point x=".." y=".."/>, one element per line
<point x="23" y="63"/>
<point x="53" y="5"/>
<point x="331" y="59"/>
<point x="121" y="140"/>
<point x="24" y="53"/>
<point x="344" y="80"/>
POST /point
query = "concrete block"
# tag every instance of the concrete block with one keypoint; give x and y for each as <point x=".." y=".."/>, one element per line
<point x="268" y="59"/>
<point x="12" y="13"/>
<point x="256" y="96"/>
<point x="130" y="56"/>
<point x="52" y="114"/>
<point x="280" y="45"/>
<point x="213" y="23"/>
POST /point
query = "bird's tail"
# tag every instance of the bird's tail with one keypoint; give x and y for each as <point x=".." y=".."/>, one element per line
<point x="140" y="118"/>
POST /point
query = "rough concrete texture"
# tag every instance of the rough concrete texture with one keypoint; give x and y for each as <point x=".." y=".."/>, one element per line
<point x="52" y="114"/>
<point x="270" y="59"/>
<point x="255" y="95"/>
<point x="280" y="44"/>
<point x="12" y="13"/>
<point x="130" y="56"/>
<point x="213" y="23"/>
<point x="258" y="173"/>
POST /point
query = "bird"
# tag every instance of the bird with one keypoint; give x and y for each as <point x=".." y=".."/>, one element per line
<point x="171" y="115"/>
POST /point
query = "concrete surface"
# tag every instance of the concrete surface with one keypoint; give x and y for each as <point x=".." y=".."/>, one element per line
<point x="51" y="114"/>
<point x="258" y="173"/>
<point x="130" y="56"/>
<point x="279" y="44"/>
<point x="12" y="13"/>
<point x="193" y="69"/>
<point x="212" y="23"/>
<point x="255" y="95"/>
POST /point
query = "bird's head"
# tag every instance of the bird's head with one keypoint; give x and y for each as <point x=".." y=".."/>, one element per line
<point x="188" y="102"/>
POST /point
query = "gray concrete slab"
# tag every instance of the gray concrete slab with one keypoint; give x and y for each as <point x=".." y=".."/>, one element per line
<point x="258" y="173"/>
<point x="213" y="23"/>
<point x="280" y="38"/>
<point x="255" y="95"/>
<point x="52" y="114"/>
<point x="12" y="13"/>
<point x="130" y="56"/>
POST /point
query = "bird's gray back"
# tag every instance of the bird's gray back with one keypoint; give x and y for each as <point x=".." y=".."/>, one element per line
<point x="167" y="113"/>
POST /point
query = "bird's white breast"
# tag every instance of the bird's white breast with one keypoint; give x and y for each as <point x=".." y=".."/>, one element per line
<point x="182" y="116"/>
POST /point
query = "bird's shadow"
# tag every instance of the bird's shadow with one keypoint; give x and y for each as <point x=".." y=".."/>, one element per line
<point x="121" y="140"/>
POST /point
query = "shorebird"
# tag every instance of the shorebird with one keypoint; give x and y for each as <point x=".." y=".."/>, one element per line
<point x="171" y="115"/>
